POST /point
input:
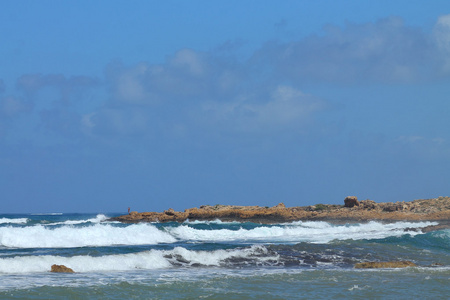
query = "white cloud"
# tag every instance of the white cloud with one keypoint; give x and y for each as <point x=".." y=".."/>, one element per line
<point x="436" y="148"/>
<point x="387" y="51"/>
<point x="189" y="60"/>
<point x="438" y="140"/>
<point x="410" y="139"/>
<point x="286" y="106"/>
<point x="261" y="94"/>
<point x="129" y="86"/>
<point x="442" y="38"/>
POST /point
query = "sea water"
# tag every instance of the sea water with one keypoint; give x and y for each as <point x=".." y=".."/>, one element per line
<point x="217" y="260"/>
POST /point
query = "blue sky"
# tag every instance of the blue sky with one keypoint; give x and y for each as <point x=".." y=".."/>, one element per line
<point x="106" y="105"/>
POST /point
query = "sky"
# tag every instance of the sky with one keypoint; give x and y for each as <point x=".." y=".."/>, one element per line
<point x="106" y="105"/>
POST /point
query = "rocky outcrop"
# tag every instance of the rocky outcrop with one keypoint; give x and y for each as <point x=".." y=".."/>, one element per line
<point x="437" y="209"/>
<point x="170" y="212"/>
<point x="61" y="269"/>
<point x="351" y="201"/>
<point x="388" y="264"/>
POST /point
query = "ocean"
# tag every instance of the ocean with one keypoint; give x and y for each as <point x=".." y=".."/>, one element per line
<point x="217" y="260"/>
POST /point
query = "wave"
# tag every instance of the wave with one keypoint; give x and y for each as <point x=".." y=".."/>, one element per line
<point x="13" y="220"/>
<point x="216" y="221"/>
<point x="314" y="232"/>
<point x="40" y="236"/>
<point x="152" y="259"/>
<point x="47" y="214"/>
<point x="105" y="234"/>
<point x="99" y="218"/>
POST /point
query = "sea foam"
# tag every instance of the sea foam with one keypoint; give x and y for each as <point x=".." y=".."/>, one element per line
<point x="68" y="235"/>
<point x="314" y="232"/>
<point x="152" y="259"/>
<point x="99" y="218"/>
<point x="13" y="220"/>
<point x="40" y="236"/>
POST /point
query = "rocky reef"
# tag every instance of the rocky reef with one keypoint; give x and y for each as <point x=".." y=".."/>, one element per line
<point x="437" y="209"/>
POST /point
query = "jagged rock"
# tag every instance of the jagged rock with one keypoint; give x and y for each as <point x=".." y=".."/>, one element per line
<point x="387" y="264"/>
<point x="170" y="212"/>
<point x="351" y="201"/>
<point x="61" y="269"/>
<point x="397" y="206"/>
<point x="368" y="204"/>
<point x="437" y="209"/>
<point x="280" y="205"/>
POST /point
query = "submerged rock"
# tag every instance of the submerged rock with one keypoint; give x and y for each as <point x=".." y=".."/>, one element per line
<point x="61" y="269"/>
<point x="386" y="264"/>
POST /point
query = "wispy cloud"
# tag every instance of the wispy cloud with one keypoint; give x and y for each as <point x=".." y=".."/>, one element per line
<point x="387" y="51"/>
<point x="279" y="108"/>
<point x="442" y="40"/>
<point x="263" y="94"/>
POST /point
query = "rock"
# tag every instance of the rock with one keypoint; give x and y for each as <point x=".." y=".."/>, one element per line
<point x="61" y="269"/>
<point x="397" y="206"/>
<point x="437" y="209"/>
<point x="280" y="205"/>
<point x="387" y="264"/>
<point x="170" y="212"/>
<point x="351" y="201"/>
<point x="368" y="204"/>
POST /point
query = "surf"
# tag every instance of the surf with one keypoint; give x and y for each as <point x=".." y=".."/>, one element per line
<point x="145" y="260"/>
<point x="13" y="220"/>
<point x="94" y="232"/>
<point x="313" y="232"/>
<point x="70" y="236"/>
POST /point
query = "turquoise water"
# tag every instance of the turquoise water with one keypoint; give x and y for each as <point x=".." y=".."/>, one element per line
<point x="216" y="260"/>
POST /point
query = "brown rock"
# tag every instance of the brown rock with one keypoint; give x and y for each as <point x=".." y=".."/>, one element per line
<point x="437" y="209"/>
<point x="170" y="212"/>
<point x="387" y="264"/>
<point x="351" y="201"/>
<point x="368" y="204"/>
<point x="61" y="269"/>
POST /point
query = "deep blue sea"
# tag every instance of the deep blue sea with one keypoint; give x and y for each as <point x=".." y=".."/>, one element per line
<point x="217" y="260"/>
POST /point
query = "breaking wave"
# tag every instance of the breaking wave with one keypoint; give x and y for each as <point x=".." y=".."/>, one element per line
<point x="99" y="218"/>
<point x="92" y="232"/>
<point x="314" y="232"/>
<point x="40" y="236"/>
<point x="152" y="259"/>
<point x="13" y="220"/>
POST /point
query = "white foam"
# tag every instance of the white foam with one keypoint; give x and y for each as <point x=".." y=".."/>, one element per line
<point x="13" y="220"/>
<point x="153" y="259"/>
<point x="31" y="264"/>
<point x="315" y="232"/>
<point x="40" y="236"/>
<point x="106" y="234"/>
<point x="47" y="214"/>
<point x="216" y="221"/>
<point x="99" y="218"/>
